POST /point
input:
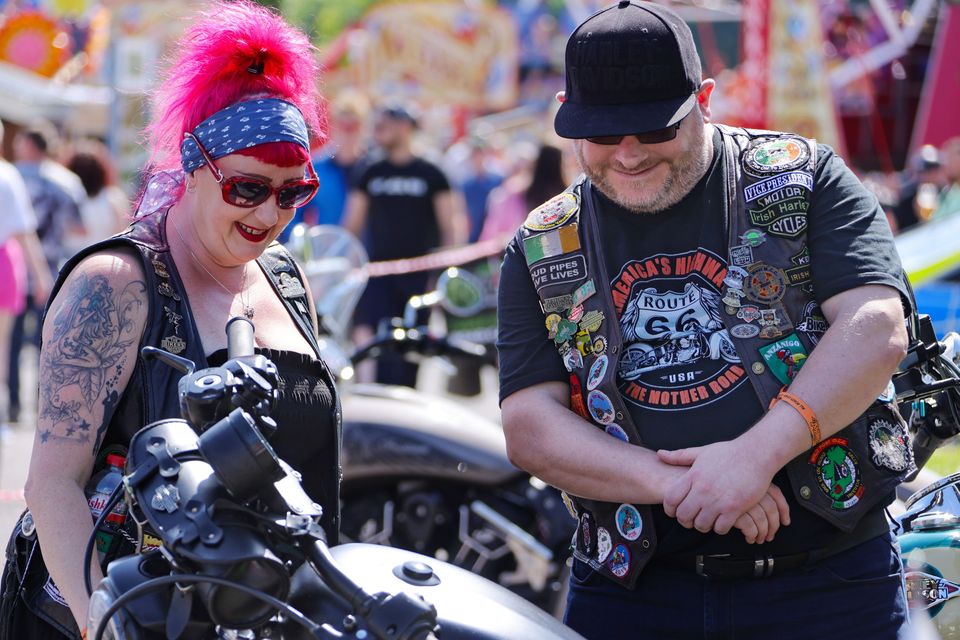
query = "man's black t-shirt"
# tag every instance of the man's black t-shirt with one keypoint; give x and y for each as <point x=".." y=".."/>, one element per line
<point x="401" y="219"/>
<point x="679" y="374"/>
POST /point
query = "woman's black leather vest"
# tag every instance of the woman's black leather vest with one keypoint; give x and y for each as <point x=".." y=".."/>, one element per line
<point x="770" y="314"/>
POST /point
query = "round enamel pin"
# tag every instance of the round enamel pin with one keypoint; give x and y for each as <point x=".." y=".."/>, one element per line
<point x="629" y="523"/>
<point x="600" y="407"/>
<point x="772" y="156"/>
<point x="619" y="561"/>
<point x="597" y="370"/>
<point x="553" y="213"/>
<point x="765" y="284"/>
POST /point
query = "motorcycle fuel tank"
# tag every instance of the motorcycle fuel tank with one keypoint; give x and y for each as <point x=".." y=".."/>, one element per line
<point x="468" y="606"/>
<point x="396" y="431"/>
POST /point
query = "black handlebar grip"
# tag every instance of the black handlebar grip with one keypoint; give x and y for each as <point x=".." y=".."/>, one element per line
<point x="239" y="337"/>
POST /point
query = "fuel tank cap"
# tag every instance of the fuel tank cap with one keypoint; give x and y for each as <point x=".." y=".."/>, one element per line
<point x="416" y="573"/>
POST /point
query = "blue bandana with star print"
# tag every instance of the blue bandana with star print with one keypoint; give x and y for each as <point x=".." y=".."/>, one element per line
<point x="243" y="125"/>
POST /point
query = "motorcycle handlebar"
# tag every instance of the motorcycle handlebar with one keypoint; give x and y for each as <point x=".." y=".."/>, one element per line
<point x="419" y="341"/>
<point x="239" y="337"/>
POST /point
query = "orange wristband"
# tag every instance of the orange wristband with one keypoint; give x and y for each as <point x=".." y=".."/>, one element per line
<point x="83" y="634"/>
<point x="813" y="425"/>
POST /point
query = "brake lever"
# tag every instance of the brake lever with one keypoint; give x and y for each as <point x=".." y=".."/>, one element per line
<point x="182" y="365"/>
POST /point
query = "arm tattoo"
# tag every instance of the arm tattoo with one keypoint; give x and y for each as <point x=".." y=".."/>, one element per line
<point x="82" y="361"/>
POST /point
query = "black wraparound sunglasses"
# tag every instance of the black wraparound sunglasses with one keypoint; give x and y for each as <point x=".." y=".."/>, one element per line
<point x="647" y="137"/>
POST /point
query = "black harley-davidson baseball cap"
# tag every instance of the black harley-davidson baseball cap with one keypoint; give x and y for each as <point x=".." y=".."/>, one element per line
<point x="630" y="68"/>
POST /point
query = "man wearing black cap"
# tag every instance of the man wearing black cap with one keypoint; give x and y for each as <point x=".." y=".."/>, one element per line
<point x="696" y="344"/>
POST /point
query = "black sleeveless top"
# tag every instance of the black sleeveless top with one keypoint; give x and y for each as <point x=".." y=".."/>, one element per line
<point x="308" y="437"/>
<point x="304" y="413"/>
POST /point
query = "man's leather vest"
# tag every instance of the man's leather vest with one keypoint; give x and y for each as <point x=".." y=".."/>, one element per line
<point x="151" y="393"/>
<point x="772" y="322"/>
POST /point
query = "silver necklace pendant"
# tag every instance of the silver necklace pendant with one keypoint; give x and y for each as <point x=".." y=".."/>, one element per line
<point x="248" y="312"/>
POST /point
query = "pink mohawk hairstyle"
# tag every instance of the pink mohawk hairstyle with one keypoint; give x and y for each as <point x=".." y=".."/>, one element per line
<point x="208" y="71"/>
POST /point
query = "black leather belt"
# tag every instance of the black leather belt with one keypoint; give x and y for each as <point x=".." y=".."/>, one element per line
<point x="726" y="567"/>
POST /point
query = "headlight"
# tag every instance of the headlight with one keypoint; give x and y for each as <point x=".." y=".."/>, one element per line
<point x="117" y="629"/>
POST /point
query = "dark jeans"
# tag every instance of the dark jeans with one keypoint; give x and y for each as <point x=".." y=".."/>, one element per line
<point x="858" y="593"/>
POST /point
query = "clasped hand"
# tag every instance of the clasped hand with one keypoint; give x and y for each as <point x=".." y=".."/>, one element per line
<point x="722" y="490"/>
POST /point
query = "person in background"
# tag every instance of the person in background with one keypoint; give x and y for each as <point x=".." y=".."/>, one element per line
<point x="920" y="189"/>
<point x="229" y="162"/>
<point x="483" y="178"/>
<point x="56" y="195"/>
<point x="20" y="254"/>
<point x="338" y="160"/>
<point x="948" y="200"/>
<point x="402" y="206"/>
<point x="696" y="345"/>
<point x="106" y="209"/>
<point x="529" y="186"/>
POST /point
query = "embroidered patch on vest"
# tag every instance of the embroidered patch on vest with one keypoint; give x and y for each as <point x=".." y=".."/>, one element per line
<point x="758" y="189"/>
<point x="889" y="445"/>
<point x="553" y="213"/>
<point x="551" y="244"/>
<point x="784" y="357"/>
<point x="766" y="156"/>
<point x="566" y="270"/>
<point x="814" y="324"/>
<point x="838" y="473"/>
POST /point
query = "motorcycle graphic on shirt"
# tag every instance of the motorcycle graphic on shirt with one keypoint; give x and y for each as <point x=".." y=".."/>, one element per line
<point x="688" y="328"/>
<point x="677" y="352"/>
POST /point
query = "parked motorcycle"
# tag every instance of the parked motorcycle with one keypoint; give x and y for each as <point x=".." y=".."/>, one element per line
<point x="928" y="391"/>
<point x="421" y="472"/>
<point x="243" y="553"/>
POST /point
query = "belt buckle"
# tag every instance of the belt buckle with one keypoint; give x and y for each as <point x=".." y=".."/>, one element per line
<point x="762" y="566"/>
<point x="701" y="563"/>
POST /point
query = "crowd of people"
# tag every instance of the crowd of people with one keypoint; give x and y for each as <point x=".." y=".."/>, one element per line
<point x="62" y="197"/>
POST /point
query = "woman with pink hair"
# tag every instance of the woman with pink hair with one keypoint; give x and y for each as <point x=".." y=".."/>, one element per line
<point x="229" y="163"/>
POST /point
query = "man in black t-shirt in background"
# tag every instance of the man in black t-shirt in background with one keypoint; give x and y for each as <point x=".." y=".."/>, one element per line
<point x="401" y="206"/>
<point x="736" y="553"/>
